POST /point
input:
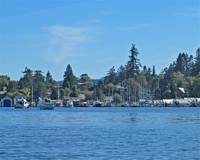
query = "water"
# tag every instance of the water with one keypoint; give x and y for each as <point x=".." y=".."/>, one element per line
<point x="100" y="134"/>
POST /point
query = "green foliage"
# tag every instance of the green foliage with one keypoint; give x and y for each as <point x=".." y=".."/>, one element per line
<point x="49" y="78"/>
<point x="184" y="64"/>
<point x="24" y="91"/>
<point x="67" y="92"/>
<point x="54" y="94"/>
<point x="99" y="91"/>
<point x="69" y="78"/>
<point x="154" y="71"/>
<point x="84" y="78"/>
<point x="74" y="91"/>
<point x="111" y="76"/>
<point x="4" y="82"/>
<point x="39" y="87"/>
<point x="133" y="65"/>
<point x="121" y="74"/>
<point x="117" y="98"/>
<point x="12" y="86"/>
<point x="196" y="69"/>
<point x="196" y="86"/>
<point x="127" y="83"/>
<point x="26" y="80"/>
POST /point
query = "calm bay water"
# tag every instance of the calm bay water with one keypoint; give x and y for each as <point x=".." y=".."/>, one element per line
<point x="100" y="134"/>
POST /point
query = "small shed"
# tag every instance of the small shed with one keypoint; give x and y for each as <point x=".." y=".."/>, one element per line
<point x="6" y="102"/>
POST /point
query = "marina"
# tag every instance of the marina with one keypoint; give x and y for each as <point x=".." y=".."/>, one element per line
<point x="99" y="80"/>
<point x="48" y="104"/>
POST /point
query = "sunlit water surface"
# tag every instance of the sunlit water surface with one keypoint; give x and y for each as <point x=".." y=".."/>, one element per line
<point x="100" y="134"/>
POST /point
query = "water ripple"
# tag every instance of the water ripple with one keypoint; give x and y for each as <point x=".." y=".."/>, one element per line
<point x="80" y="134"/>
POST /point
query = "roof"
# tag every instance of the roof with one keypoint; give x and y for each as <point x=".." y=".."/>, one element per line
<point x="6" y="97"/>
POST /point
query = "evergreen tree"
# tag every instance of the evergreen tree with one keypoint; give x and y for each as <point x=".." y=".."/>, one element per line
<point x="180" y="63"/>
<point x="69" y="78"/>
<point x="84" y="78"/>
<point x="133" y="65"/>
<point x="144" y="69"/>
<point x="154" y="71"/>
<point x="74" y="91"/>
<point x="196" y="86"/>
<point x="184" y="64"/>
<point x="182" y="73"/>
<point x="4" y="83"/>
<point x="111" y="76"/>
<point x="121" y="74"/>
<point x="39" y="87"/>
<point x="197" y="62"/>
<point x="26" y="80"/>
<point x="54" y="94"/>
<point x="98" y="90"/>
<point x="49" y="78"/>
<point x="12" y="86"/>
<point x="143" y="84"/>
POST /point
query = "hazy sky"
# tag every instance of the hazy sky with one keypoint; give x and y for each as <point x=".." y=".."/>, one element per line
<point x="94" y="35"/>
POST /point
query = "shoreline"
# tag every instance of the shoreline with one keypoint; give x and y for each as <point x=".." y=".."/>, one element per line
<point x="78" y="107"/>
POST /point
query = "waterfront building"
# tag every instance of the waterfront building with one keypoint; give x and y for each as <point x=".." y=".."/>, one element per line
<point x="6" y="102"/>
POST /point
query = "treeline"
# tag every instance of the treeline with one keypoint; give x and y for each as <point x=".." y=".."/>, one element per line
<point x="129" y="83"/>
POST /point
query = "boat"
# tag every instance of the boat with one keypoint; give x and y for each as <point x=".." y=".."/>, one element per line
<point x="83" y="104"/>
<point x="98" y="104"/>
<point x="69" y="104"/>
<point x="46" y="104"/>
<point x="22" y="103"/>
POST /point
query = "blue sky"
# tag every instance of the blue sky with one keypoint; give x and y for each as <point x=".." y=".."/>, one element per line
<point x="94" y="35"/>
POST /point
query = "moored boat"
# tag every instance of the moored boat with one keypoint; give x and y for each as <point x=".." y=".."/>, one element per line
<point x="22" y="103"/>
<point x="98" y="104"/>
<point x="69" y="104"/>
<point x="46" y="104"/>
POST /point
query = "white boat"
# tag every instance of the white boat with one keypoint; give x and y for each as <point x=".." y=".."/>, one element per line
<point x="46" y="104"/>
<point x="22" y="103"/>
<point x="98" y="104"/>
<point x="70" y="104"/>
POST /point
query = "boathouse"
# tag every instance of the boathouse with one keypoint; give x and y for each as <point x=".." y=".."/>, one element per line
<point x="6" y="102"/>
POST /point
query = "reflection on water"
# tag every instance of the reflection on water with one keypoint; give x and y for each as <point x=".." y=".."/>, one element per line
<point x="133" y="118"/>
<point x="100" y="133"/>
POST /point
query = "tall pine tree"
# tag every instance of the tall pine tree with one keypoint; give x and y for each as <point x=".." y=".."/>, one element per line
<point x="69" y="78"/>
<point x="154" y="71"/>
<point x="197" y="62"/>
<point x="49" y="78"/>
<point x="133" y="65"/>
